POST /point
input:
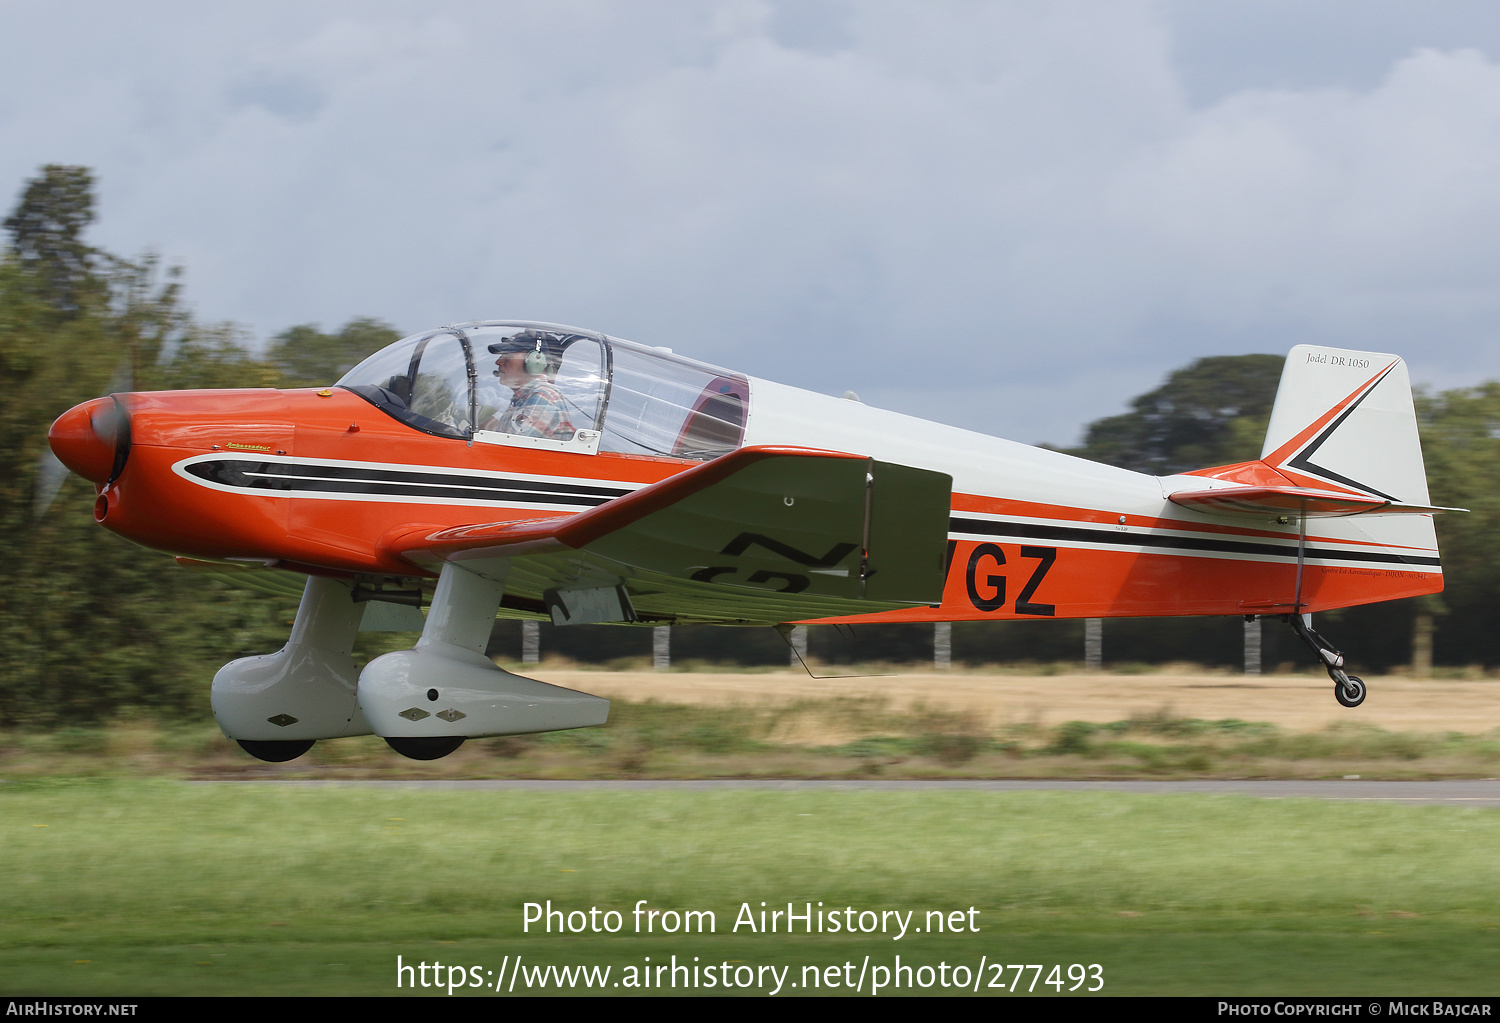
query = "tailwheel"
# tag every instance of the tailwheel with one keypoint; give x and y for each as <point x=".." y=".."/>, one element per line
<point x="276" y="751"/>
<point x="1350" y="693"/>
<point x="1349" y="690"/>
<point x="426" y="747"/>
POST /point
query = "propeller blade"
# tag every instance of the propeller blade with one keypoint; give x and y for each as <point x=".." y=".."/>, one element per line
<point x="50" y="474"/>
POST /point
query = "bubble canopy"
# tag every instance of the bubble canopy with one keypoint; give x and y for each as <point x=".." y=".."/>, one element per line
<point x="545" y="385"/>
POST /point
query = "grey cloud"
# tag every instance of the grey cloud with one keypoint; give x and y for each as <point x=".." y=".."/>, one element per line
<point x="819" y="26"/>
<point x="1232" y="45"/>
<point x="290" y="97"/>
<point x="1032" y="194"/>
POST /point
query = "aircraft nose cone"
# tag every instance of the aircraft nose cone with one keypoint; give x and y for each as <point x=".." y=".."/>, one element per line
<point x="92" y="439"/>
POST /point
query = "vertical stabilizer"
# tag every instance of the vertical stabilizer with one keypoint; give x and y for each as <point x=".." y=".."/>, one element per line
<point x="1345" y="420"/>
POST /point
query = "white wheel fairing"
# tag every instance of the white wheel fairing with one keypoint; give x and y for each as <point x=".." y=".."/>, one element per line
<point x="306" y="690"/>
<point x="473" y="697"/>
<point x="445" y="686"/>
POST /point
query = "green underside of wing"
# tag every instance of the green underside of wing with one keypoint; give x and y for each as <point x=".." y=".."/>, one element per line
<point x="259" y="580"/>
<point x="782" y="540"/>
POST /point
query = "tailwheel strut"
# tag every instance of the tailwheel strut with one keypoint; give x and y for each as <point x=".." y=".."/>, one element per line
<point x="1348" y="689"/>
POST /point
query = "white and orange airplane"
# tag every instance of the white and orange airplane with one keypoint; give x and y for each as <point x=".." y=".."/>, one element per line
<point x="539" y="471"/>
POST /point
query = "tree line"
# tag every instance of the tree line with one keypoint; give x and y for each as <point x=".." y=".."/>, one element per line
<point x="91" y="624"/>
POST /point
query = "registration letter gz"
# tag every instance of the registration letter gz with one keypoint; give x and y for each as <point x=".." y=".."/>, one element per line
<point x="1046" y="556"/>
<point x="994" y="600"/>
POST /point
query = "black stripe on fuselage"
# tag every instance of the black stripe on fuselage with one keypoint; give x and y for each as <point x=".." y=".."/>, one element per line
<point x="395" y="483"/>
<point x="1111" y="538"/>
<point x="295" y="478"/>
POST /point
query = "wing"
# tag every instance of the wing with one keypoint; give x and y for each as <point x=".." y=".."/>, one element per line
<point x="763" y="534"/>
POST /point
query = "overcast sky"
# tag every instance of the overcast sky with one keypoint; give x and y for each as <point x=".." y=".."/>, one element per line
<point x="1010" y="216"/>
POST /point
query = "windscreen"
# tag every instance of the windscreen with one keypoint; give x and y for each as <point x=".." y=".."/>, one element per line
<point x="422" y="381"/>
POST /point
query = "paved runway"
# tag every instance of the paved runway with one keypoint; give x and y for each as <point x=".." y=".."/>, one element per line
<point x="1484" y="793"/>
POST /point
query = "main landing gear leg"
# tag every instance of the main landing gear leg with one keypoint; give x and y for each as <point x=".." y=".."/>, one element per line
<point x="1349" y="690"/>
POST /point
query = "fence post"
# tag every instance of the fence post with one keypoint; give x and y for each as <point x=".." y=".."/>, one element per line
<point x="1093" y="644"/>
<point x="799" y="645"/>
<point x="1421" y="645"/>
<point x="661" y="647"/>
<point x="1252" y="646"/>
<point x="531" y="642"/>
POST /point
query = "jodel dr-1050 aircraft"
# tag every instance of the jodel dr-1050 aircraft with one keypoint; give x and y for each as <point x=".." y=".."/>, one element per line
<point x="540" y="471"/>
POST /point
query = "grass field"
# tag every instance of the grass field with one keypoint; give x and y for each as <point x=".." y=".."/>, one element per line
<point x="824" y="737"/>
<point x="133" y="887"/>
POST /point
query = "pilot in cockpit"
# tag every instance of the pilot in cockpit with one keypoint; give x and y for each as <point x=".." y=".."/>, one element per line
<point x="537" y="407"/>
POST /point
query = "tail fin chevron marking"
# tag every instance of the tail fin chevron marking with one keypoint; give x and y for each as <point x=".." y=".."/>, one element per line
<point x="1346" y="419"/>
<point x="1303" y="459"/>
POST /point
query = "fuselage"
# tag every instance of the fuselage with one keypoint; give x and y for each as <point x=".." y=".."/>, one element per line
<point x="312" y="480"/>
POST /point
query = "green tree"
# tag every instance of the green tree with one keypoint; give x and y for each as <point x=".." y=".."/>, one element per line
<point x="90" y="623"/>
<point x="307" y="357"/>
<point x="46" y="237"/>
<point x="1461" y="446"/>
<point x="1213" y="412"/>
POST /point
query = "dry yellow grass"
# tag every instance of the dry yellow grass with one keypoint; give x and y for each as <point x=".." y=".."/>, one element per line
<point x="1297" y="702"/>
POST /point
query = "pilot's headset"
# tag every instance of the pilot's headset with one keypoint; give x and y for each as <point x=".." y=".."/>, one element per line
<point x="535" y="362"/>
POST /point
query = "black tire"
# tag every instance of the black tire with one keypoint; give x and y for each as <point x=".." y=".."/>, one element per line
<point x="427" y="747"/>
<point x="276" y="751"/>
<point x="1358" y="685"/>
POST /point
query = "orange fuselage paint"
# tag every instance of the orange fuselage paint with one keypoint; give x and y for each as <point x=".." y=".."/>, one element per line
<point x="153" y="503"/>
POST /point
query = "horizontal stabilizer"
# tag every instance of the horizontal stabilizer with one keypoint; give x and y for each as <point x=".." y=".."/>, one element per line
<point x="1294" y="501"/>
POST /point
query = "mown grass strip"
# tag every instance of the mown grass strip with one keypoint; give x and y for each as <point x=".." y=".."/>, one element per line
<point x="159" y="887"/>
